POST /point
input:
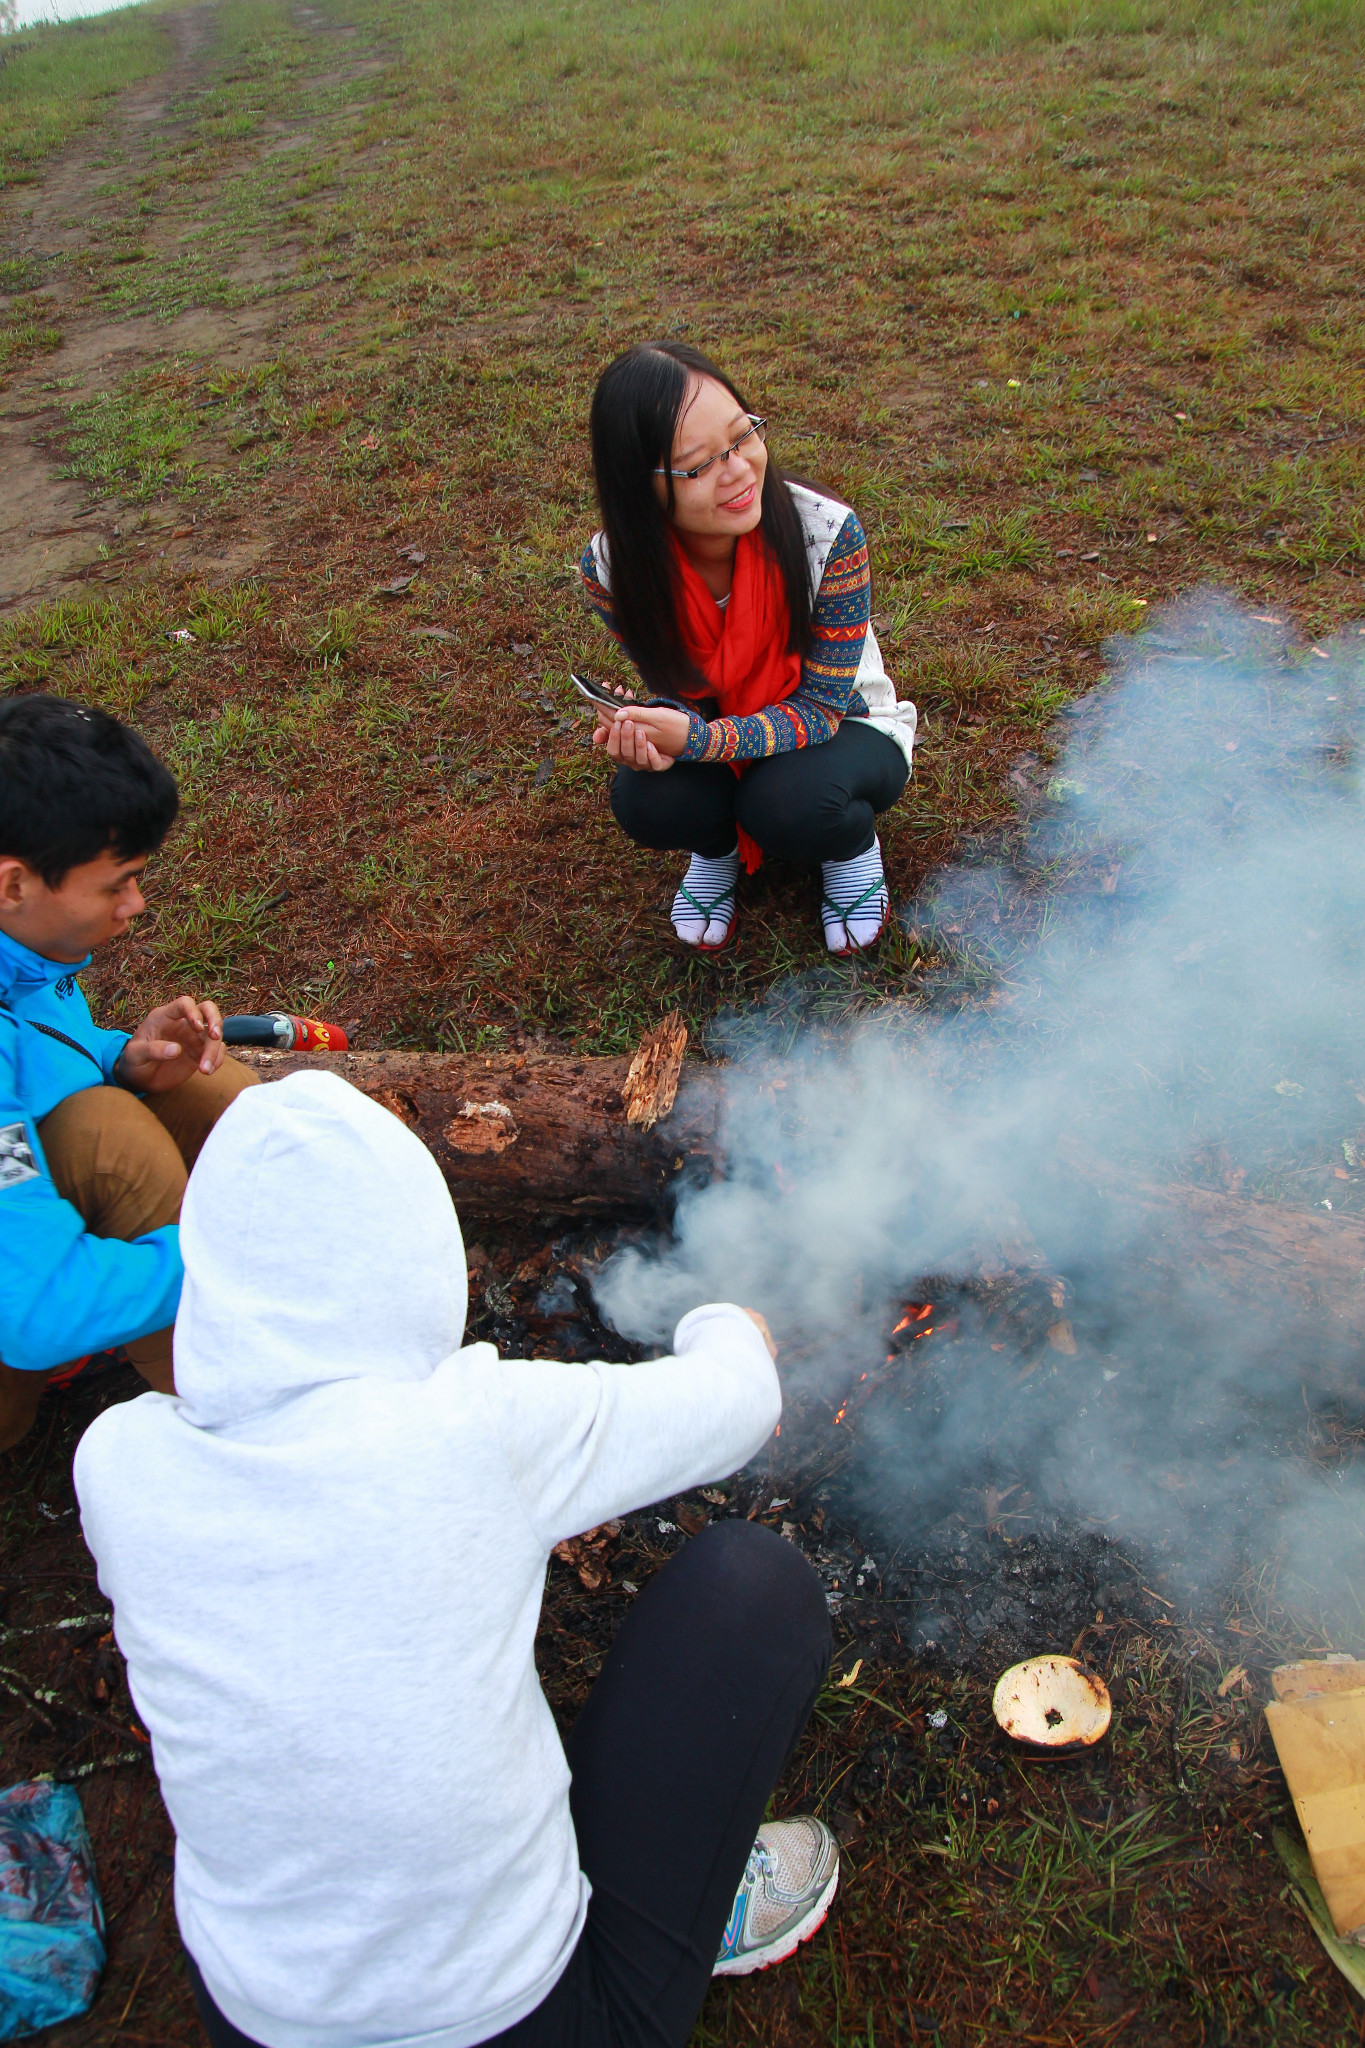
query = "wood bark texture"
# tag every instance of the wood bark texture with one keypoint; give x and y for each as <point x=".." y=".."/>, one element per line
<point x="1253" y="1251"/>
<point x="1269" y="1253"/>
<point x="521" y="1134"/>
<point x="651" y="1084"/>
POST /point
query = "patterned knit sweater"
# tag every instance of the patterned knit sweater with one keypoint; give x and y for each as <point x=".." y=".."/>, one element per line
<point x="829" y="666"/>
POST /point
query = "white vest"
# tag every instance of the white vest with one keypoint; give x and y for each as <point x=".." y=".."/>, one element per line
<point x="821" y="520"/>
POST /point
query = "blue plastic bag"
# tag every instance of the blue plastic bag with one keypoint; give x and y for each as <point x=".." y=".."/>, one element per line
<point x="51" y="1920"/>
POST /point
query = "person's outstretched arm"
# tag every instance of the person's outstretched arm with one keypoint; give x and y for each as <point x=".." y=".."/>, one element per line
<point x="586" y="1442"/>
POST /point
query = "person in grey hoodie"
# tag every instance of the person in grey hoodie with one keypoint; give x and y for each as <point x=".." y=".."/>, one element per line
<point x="326" y="1553"/>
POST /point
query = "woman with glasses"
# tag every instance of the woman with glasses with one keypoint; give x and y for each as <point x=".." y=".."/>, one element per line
<point x="742" y="598"/>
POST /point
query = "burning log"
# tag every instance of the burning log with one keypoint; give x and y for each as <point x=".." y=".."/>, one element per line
<point x="521" y="1134"/>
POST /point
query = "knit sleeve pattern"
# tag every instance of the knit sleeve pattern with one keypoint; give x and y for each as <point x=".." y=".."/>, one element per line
<point x="826" y="693"/>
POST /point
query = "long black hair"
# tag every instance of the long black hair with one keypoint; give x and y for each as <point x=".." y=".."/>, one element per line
<point x="636" y="408"/>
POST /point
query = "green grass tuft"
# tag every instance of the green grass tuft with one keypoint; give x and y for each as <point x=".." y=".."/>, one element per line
<point x="132" y="442"/>
<point x="55" y="80"/>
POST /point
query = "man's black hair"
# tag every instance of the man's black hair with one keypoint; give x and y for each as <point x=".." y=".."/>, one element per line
<point x="76" y="783"/>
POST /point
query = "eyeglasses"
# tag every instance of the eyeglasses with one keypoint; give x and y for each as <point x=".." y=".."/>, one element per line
<point x="757" y="428"/>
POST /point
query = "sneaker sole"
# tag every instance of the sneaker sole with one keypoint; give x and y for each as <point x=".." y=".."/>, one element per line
<point x="778" y="1951"/>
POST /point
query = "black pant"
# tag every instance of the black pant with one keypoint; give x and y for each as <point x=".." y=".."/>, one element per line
<point x="819" y="803"/>
<point x="701" y="1701"/>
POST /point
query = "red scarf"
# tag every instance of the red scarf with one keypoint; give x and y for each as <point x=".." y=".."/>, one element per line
<point x="742" y="651"/>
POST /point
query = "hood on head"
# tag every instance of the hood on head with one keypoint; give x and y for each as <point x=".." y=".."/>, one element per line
<point x="320" y="1243"/>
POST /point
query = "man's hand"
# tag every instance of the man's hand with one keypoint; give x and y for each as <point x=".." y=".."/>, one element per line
<point x="182" y="1038"/>
<point x="764" y="1332"/>
<point x="648" y="736"/>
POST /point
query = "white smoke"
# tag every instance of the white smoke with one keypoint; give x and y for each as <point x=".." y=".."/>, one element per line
<point x="1176" y="955"/>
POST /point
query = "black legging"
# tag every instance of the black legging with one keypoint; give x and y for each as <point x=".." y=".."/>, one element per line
<point x="701" y="1701"/>
<point x="819" y="803"/>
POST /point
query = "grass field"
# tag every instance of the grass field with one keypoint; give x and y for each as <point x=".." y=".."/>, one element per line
<point x="56" y="81"/>
<point x="1065" y="299"/>
<point x="1073" y="318"/>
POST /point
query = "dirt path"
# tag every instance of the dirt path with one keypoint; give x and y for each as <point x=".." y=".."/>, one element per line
<point x="56" y="533"/>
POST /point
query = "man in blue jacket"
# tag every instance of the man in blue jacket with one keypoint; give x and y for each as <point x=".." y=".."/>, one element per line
<point x="98" y="1129"/>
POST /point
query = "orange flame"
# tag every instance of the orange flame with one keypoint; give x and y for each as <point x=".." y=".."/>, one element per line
<point x="915" y="1312"/>
<point x="842" y="1412"/>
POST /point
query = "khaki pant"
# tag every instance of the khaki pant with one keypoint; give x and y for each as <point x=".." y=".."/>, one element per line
<point x="123" y="1164"/>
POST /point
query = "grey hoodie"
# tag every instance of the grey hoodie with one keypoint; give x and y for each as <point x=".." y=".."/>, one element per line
<point x="326" y="1555"/>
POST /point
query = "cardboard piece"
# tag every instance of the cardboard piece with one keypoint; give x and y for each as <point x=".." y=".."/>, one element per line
<point x="1320" y="1741"/>
<point x="1318" y="1674"/>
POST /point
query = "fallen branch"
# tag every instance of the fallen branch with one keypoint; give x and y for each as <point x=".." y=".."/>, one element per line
<point x="1255" y="1254"/>
<point x="535" y="1133"/>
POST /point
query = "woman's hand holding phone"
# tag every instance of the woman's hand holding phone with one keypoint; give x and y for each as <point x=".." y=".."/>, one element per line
<point x="645" y="736"/>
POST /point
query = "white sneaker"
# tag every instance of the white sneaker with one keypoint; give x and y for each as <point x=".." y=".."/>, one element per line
<point x="704" y="908"/>
<point x="788" y="1882"/>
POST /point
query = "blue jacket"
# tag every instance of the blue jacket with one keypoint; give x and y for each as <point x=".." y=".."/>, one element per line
<point x="62" y="1292"/>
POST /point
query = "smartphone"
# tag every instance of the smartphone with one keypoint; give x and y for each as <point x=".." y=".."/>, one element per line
<point x="597" y="693"/>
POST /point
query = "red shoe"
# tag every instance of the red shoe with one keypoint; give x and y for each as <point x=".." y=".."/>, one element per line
<point x="89" y="1367"/>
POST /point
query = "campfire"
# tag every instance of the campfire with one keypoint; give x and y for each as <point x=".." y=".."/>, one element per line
<point x="913" y="1325"/>
<point x="949" y="1542"/>
<point x="1064" y="1252"/>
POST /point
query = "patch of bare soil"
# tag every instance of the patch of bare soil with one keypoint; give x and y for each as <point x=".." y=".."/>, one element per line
<point x="48" y="531"/>
<point x="52" y="534"/>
